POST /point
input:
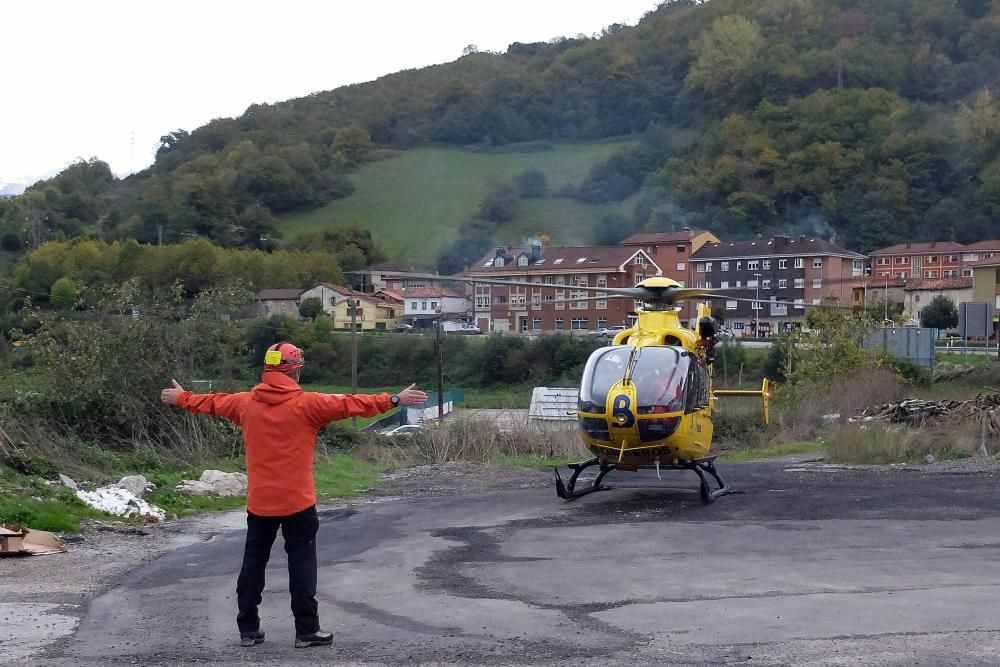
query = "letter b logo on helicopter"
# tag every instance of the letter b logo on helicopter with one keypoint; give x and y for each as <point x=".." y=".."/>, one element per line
<point x="620" y="413"/>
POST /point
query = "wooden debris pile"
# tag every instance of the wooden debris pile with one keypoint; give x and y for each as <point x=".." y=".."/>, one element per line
<point x="915" y="411"/>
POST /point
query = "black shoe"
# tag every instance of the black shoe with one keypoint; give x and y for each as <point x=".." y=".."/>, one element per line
<point x="251" y="638"/>
<point x="318" y="638"/>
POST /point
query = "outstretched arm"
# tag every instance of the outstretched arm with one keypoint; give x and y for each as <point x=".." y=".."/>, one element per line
<point x="331" y="407"/>
<point x="226" y="406"/>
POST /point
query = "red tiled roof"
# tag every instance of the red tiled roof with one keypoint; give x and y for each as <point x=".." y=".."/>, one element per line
<point x="338" y="288"/>
<point x="558" y="258"/>
<point x="392" y="294"/>
<point x="279" y="294"/>
<point x="919" y="248"/>
<point x="938" y="284"/>
<point x="779" y="245"/>
<point x="983" y="245"/>
<point x="653" y="238"/>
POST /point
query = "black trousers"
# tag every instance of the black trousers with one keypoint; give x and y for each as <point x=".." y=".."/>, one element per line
<point x="299" y="531"/>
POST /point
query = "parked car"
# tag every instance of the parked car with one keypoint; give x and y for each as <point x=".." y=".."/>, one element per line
<point x="460" y="328"/>
<point x="607" y="332"/>
<point x="404" y="430"/>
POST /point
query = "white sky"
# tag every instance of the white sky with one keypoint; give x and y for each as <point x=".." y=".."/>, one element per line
<point x="81" y="77"/>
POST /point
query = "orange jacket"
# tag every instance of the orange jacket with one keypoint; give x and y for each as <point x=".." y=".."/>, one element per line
<point x="280" y="423"/>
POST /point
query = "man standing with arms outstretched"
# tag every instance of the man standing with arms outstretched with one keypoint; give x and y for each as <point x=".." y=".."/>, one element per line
<point x="280" y="422"/>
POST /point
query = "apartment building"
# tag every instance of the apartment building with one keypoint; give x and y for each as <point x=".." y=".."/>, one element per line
<point x="672" y="253"/>
<point x="780" y="277"/>
<point x="552" y="273"/>
<point x="935" y="259"/>
<point x="986" y="286"/>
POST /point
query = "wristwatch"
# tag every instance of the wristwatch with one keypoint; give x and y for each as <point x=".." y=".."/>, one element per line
<point x="395" y="400"/>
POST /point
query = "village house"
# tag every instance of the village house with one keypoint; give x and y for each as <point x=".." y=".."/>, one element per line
<point x="278" y="302"/>
<point x="672" y="251"/>
<point x="329" y="294"/>
<point x="372" y="314"/>
<point x="918" y="293"/>
<point x="377" y="277"/>
<point x="986" y="286"/>
<point x="777" y="277"/>
<point x="879" y="291"/>
<point x="422" y="306"/>
<point x="553" y="273"/>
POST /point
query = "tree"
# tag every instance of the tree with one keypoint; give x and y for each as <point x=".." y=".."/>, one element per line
<point x="940" y="313"/>
<point x="531" y="183"/>
<point x="979" y="125"/>
<point x="311" y="308"/>
<point x="66" y="294"/>
<point x="724" y="53"/>
<point x="352" y="144"/>
<point x="500" y="204"/>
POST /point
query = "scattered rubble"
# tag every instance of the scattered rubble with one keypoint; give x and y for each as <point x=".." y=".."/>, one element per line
<point x="137" y="484"/>
<point x="67" y="481"/>
<point x="120" y="502"/>
<point x="215" y="483"/>
<point x="915" y="411"/>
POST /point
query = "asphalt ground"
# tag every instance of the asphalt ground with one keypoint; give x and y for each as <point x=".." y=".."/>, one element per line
<point x="806" y="565"/>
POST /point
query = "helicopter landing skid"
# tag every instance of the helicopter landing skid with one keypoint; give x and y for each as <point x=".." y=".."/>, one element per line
<point x="701" y="466"/>
<point x="568" y="490"/>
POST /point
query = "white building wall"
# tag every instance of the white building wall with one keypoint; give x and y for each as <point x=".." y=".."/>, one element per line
<point x="329" y="297"/>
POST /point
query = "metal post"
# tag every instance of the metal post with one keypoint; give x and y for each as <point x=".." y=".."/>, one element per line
<point x="885" y="301"/>
<point x="440" y="370"/>
<point x="352" y="305"/>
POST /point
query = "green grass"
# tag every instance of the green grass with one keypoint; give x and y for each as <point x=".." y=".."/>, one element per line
<point x="426" y="193"/>
<point x="61" y="514"/>
<point x="958" y="358"/>
<point x="737" y="455"/>
<point x="343" y="476"/>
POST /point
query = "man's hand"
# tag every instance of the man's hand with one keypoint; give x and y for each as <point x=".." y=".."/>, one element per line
<point x="171" y="394"/>
<point x="411" y="396"/>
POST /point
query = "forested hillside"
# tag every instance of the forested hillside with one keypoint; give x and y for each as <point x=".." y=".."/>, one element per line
<point x="872" y="121"/>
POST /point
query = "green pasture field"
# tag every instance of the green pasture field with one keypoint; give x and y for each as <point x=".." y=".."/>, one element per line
<point x="415" y="201"/>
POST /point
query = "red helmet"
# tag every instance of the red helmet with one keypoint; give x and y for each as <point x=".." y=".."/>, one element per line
<point x="283" y="357"/>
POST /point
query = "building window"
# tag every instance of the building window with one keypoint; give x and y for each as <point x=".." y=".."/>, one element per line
<point x="649" y="250"/>
<point x="931" y="274"/>
<point x="600" y="304"/>
<point x="536" y="324"/>
<point x="752" y="284"/>
<point x="560" y="280"/>
<point x="602" y="280"/>
<point x="950" y="274"/>
<point x="782" y="263"/>
<point x="482" y="302"/>
<point x="413" y="305"/>
<point x="731" y="305"/>
<point x="766" y="264"/>
<point x="753" y="265"/>
<point x="522" y="260"/>
<point x="681" y="248"/>
<point x="931" y="259"/>
<point x="701" y="285"/>
<point x="560" y="325"/>
<point x="799" y="262"/>
<point x="817" y="283"/>
<point x="800" y="304"/>
<point x="498" y="261"/>
<point x="782" y="283"/>
<point x="724" y="284"/>
<point x="739" y="326"/>
<point x="739" y="283"/>
<point x="766" y="283"/>
<point x="602" y="323"/>
<point x="902" y="260"/>
<point x="708" y="267"/>
<point x="800" y="283"/>
<point x="755" y="305"/>
<point x="723" y="266"/>
<point x="579" y="323"/>
<point x="434" y="305"/>
<point x="699" y="267"/>
<point x="882" y="261"/>
<point x="640" y="260"/>
<point x="816" y="302"/>
<point x="739" y="265"/>
<point x="817" y="262"/>
<point x="966" y="273"/>
<point x="951" y="258"/>
<point x="423" y="305"/>
<point x="680" y="266"/>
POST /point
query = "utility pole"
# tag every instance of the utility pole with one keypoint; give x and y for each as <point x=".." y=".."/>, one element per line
<point x="352" y="307"/>
<point x="885" y="301"/>
<point x="438" y="337"/>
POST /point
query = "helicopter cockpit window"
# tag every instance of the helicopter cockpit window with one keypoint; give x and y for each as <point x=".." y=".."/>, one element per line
<point x="605" y="367"/>
<point x="660" y="375"/>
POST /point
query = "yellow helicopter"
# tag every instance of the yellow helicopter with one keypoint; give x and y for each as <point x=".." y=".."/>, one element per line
<point x="646" y="401"/>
